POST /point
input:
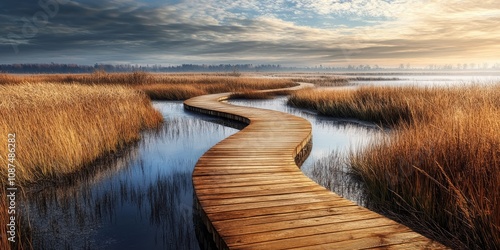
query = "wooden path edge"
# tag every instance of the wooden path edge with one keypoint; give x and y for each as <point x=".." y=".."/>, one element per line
<point x="251" y="193"/>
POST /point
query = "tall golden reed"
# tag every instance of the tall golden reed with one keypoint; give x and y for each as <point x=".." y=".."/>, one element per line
<point x="161" y="86"/>
<point x="439" y="166"/>
<point x="59" y="128"/>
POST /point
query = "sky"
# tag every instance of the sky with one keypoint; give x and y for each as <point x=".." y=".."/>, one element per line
<point x="287" y="32"/>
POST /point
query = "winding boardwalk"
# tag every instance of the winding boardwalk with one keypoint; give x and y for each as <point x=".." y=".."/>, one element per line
<point x="252" y="195"/>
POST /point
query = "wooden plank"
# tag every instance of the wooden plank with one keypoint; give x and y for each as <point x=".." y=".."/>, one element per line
<point x="404" y="240"/>
<point x="310" y="213"/>
<point x="279" y="210"/>
<point x="262" y="204"/>
<point x="252" y="195"/>
<point x="246" y="183"/>
<point x="330" y="223"/>
<point x="345" y="236"/>
<point x="294" y="190"/>
<point x="269" y="188"/>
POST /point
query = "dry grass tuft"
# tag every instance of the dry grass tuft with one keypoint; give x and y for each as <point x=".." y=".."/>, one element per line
<point x="440" y="166"/>
<point x="4" y="219"/>
<point x="171" y="92"/>
<point x="62" y="127"/>
<point x="253" y="95"/>
<point x="326" y="81"/>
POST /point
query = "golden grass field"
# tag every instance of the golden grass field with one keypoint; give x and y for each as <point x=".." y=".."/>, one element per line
<point x="161" y="86"/>
<point x="439" y="166"/>
<point x="66" y="121"/>
<point x="60" y="128"/>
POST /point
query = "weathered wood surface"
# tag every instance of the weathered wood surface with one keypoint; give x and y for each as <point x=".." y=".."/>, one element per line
<point x="252" y="195"/>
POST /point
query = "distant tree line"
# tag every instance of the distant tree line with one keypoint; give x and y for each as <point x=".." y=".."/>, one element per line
<point x="232" y="68"/>
<point x="75" y="68"/>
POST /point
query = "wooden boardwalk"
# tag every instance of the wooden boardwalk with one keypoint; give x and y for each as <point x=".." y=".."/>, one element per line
<point x="252" y="195"/>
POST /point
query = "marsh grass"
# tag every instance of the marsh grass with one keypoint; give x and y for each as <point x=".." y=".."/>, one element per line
<point x="326" y="81"/>
<point x="182" y="87"/>
<point x="387" y="106"/>
<point x="439" y="166"/>
<point x="160" y="86"/>
<point x="253" y="95"/>
<point x="4" y="219"/>
<point x="59" y="128"/>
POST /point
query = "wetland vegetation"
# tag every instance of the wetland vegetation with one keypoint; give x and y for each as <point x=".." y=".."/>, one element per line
<point x="438" y="166"/>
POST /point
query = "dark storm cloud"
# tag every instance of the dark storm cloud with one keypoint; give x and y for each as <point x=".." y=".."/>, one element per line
<point x="92" y="27"/>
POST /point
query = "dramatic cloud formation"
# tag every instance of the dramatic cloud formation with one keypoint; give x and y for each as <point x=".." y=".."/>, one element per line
<point x="291" y="32"/>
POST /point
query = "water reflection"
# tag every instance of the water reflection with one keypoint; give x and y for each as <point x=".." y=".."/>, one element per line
<point x="141" y="200"/>
<point x="333" y="139"/>
<point x="443" y="79"/>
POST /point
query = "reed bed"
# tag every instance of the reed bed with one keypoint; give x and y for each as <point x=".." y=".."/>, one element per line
<point x="4" y="219"/>
<point x="387" y="106"/>
<point x="161" y="86"/>
<point x="253" y="95"/>
<point x="325" y="81"/>
<point x="60" y="128"/>
<point x="439" y="167"/>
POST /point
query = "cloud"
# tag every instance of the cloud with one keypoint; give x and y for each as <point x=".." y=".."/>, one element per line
<point x="194" y="31"/>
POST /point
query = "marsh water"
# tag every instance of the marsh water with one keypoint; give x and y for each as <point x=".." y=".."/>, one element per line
<point x="143" y="197"/>
<point x="426" y="78"/>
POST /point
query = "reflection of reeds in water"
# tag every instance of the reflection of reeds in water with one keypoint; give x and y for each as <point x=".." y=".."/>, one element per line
<point x="333" y="172"/>
<point x="70" y="207"/>
<point x="176" y="129"/>
<point x="73" y="219"/>
<point x="170" y="199"/>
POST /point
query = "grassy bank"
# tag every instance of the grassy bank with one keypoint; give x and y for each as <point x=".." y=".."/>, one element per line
<point x="388" y="106"/>
<point x="59" y="128"/>
<point x="439" y="167"/>
<point x="161" y="86"/>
